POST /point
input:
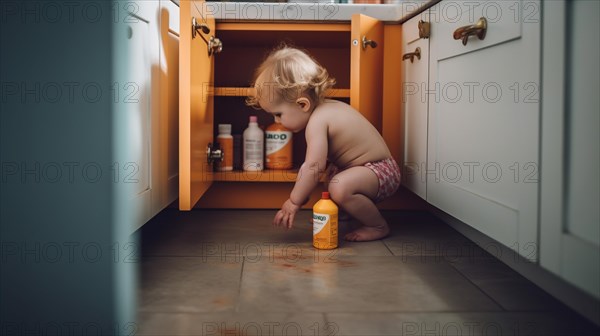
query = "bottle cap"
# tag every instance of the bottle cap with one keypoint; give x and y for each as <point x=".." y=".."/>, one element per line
<point x="224" y="128"/>
<point x="253" y="119"/>
<point x="325" y="195"/>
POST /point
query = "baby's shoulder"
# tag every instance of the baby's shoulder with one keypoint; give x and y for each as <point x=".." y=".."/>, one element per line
<point x="321" y="113"/>
<point x="317" y="121"/>
<point x="330" y="110"/>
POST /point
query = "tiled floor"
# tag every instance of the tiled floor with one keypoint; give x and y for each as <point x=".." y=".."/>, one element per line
<point x="232" y="273"/>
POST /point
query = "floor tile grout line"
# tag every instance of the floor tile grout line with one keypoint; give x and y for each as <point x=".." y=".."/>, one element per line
<point x="239" y="293"/>
<point x="388" y="248"/>
<point x="479" y="288"/>
<point x="325" y="317"/>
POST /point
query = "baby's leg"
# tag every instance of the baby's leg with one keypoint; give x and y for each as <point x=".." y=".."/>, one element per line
<point x="330" y="174"/>
<point x="353" y="190"/>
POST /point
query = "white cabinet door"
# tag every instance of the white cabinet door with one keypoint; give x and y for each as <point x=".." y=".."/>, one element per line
<point x="482" y="165"/>
<point x="136" y="110"/>
<point x="415" y="72"/>
<point x="570" y="182"/>
<point x="167" y="128"/>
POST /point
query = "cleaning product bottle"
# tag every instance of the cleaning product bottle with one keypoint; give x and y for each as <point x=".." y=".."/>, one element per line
<point x="253" y="146"/>
<point x="325" y="223"/>
<point x="225" y="141"/>
<point x="279" y="147"/>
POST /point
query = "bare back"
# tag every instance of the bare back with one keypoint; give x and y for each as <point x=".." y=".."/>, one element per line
<point x="352" y="139"/>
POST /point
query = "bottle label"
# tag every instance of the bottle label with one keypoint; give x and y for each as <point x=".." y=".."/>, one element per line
<point x="319" y="222"/>
<point x="253" y="153"/>
<point x="226" y="145"/>
<point x="277" y="140"/>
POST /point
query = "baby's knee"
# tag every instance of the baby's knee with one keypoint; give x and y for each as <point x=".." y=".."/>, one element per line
<point x="339" y="192"/>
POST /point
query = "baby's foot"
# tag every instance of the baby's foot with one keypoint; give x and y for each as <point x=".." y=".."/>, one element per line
<point x="368" y="233"/>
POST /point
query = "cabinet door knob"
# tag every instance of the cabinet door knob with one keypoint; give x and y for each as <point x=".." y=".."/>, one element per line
<point x="196" y="27"/>
<point x="478" y="29"/>
<point x="412" y="55"/>
<point x="424" y="29"/>
<point x="366" y="43"/>
<point x="213" y="153"/>
<point x="214" y="44"/>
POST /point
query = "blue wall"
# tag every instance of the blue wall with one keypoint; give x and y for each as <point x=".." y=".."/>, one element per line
<point x="58" y="254"/>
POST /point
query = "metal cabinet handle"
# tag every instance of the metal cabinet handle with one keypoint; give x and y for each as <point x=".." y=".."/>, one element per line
<point x="412" y="55"/>
<point x="424" y="29"/>
<point x="478" y="29"/>
<point x="213" y="153"/>
<point x="366" y="43"/>
<point x="199" y="26"/>
<point x="215" y="45"/>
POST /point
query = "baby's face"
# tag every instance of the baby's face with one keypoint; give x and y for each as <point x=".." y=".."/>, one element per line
<point x="290" y="114"/>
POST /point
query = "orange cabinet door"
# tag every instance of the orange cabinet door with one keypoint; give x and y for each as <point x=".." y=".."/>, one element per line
<point x="366" y="72"/>
<point x="196" y="78"/>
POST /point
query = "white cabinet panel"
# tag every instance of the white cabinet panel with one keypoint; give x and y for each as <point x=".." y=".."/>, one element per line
<point x="135" y="95"/>
<point x="505" y="21"/>
<point x="170" y="12"/>
<point x="570" y="184"/>
<point x="139" y="116"/>
<point x="415" y="77"/>
<point x="168" y="125"/>
<point x="583" y="154"/>
<point x="482" y="164"/>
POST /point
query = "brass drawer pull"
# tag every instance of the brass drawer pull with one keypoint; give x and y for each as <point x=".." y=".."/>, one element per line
<point x="478" y="29"/>
<point x="424" y="29"/>
<point x="412" y="55"/>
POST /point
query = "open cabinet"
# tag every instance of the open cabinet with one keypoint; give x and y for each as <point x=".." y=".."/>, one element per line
<point x="213" y="89"/>
<point x="195" y="105"/>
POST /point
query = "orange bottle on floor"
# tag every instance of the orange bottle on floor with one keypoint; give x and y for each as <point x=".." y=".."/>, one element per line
<point x="325" y="223"/>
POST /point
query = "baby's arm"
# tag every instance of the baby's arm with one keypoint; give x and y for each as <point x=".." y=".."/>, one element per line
<point x="308" y="175"/>
<point x="314" y="163"/>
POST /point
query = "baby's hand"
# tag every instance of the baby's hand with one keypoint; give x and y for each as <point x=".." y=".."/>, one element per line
<point x="286" y="215"/>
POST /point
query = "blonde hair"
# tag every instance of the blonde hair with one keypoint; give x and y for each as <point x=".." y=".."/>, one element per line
<point x="289" y="73"/>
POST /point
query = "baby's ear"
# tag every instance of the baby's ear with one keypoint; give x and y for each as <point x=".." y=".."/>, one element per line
<point x="304" y="103"/>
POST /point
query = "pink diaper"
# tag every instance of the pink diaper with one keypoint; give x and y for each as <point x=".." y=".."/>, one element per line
<point x="388" y="173"/>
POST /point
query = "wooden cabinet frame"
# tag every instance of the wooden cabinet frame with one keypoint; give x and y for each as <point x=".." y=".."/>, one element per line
<point x="201" y="96"/>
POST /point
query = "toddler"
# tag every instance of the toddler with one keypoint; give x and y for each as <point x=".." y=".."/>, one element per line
<point x="291" y="86"/>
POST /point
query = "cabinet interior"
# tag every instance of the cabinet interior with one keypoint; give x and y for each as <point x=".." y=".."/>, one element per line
<point x="247" y="45"/>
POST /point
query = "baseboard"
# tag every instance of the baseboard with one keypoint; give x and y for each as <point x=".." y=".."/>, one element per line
<point x="574" y="298"/>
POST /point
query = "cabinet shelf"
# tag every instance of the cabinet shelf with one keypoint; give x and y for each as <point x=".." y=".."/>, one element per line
<point x="284" y="26"/>
<point x="269" y="35"/>
<point x="247" y="91"/>
<point x="267" y="175"/>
